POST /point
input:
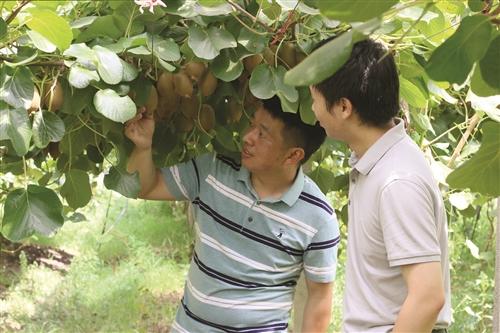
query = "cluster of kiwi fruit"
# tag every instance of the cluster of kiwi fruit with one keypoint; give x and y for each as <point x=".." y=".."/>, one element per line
<point x="175" y="97"/>
<point x="289" y="55"/>
<point x="52" y="99"/>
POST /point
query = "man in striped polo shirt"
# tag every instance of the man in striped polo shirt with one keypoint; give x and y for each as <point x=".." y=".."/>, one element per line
<point x="258" y="225"/>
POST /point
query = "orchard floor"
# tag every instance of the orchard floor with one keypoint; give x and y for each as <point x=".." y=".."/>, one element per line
<point x="123" y="270"/>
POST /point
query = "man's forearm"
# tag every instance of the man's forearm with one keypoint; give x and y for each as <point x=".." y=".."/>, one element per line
<point x="316" y="316"/>
<point x="418" y="315"/>
<point x="141" y="160"/>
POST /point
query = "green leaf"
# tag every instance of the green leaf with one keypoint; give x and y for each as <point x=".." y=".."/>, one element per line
<point x="80" y="77"/>
<point x="165" y="49"/>
<point x="16" y="87"/>
<point x="47" y="127"/>
<point x="479" y="85"/>
<point x="476" y="5"/>
<point x="487" y="160"/>
<point x="76" y="188"/>
<point x="82" y="53"/>
<point x="261" y="82"/>
<point x="227" y="66"/>
<point x="288" y="91"/>
<point x="251" y="41"/>
<point x="315" y="69"/>
<point x="305" y="107"/>
<point x="3" y="28"/>
<point x="108" y="103"/>
<point x="15" y="126"/>
<point x="324" y="178"/>
<point x="207" y="44"/>
<point x="130" y="72"/>
<point x="123" y="182"/>
<point x="51" y="26"/>
<point x="453" y="60"/>
<point x="411" y="93"/>
<point x="35" y="209"/>
<point x="488" y="105"/>
<point x="110" y="67"/>
<point x="354" y="10"/>
<point x="490" y="64"/>
<point x="41" y="42"/>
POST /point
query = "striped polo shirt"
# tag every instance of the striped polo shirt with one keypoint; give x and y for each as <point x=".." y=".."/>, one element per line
<point x="249" y="252"/>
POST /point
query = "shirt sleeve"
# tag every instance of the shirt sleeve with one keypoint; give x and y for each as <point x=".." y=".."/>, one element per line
<point x="184" y="179"/>
<point x="320" y="257"/>
<point x="408" y="223"/>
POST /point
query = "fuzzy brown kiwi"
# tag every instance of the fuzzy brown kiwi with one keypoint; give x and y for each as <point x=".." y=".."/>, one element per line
<point x="195" y="70"/>
<point x="189" y="107"/>
<point x="183" y="85"/>
<point x="53" y="94"/>
<point x="183" y="124"/>
<point x="152" y="102"/>
<point x="207" y="117"/>
<point x="208" y="84"/>
<point x="53" y="149"/>
<point x="268" y="56"/>
<point x="234" y="111"/>
<point x="251" y="62"/>
<point x="299" y="56"/>
<point x="287" y="54"/>
<point x="164" y="111"/>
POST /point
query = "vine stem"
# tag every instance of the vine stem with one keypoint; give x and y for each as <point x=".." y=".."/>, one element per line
<point x="244" y="12"/>
<point x="474" y="120"/>
<point x="16" y="11"/>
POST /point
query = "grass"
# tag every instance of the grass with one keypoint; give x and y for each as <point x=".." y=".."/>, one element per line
<point x="129" y="265"/>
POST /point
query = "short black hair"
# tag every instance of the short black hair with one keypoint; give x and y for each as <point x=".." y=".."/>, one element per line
<point x="369" y="80"/>
<point x="295" y="132"/>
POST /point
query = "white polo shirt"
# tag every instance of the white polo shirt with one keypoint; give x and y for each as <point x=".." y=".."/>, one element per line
<point x="396" y="217"/>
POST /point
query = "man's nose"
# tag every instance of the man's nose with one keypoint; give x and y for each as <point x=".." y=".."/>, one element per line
<point x="249" y="135"/>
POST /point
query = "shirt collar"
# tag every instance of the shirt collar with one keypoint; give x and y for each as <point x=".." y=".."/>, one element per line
<point x="289" y="197"/>
<point x="370" y="158"/>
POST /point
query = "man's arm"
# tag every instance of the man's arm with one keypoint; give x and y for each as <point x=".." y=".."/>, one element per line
<point x="140" y="131"/>
<point x="317" y="311"/>
<point x="425" y="297"/>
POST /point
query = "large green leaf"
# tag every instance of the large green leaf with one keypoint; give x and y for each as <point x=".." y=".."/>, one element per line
<point x="15" y="126"/>
<point x="76" y="188"/>
<point x="165" y="49"/>
<point x="35" y="209"/>
<point x="47" y="127"/>
<point x="479" y="85"/>
<point x="305" y="107"/>
<point x="206" y="44"/>
<point x="453" y="60"/>
<point x="3" y="27"/>
<point x="123" y="182"/>
<point x="411" y="93"/>
<point x="41" y="42"/>
<point x="490" y="64"/>
<point x="251" y="41"/>
<point x="108" y="103"/>
<point x="227" y="66"/>
<point x="324" y="178"/>
<point x="315" y="69"/>
<point x="16" y="86"/>
<point x="109" y="67"/>
<point x="267" y="81"/>
<point x="354" y="10"/>
<point x="51" y="26"/>
<point x="80" y="77"/>
<point x="482" y="172"/>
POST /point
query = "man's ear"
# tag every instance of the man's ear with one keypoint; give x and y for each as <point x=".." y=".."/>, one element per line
<point x="346" y="107"/>
<point x="295" y="155"/>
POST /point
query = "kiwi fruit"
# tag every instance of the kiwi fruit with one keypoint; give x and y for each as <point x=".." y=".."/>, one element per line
<point x="189" y="107"/>
<point x="251" y="62"/>
<point x="207" y="117"/>
<point x="53" y="149"/>
<point x="208" y="84"/>
<point x="287" y="54"/>
<point x="195" y="70"/>
<point x="152" y="102"/>
<point x="234" y="111"/>
<point x="183" y="124"/>
<point x="299" y="56"/>
<point x="52" y="96"/>
<point x="35" y="101"/>
<point x="164" y="110"/>
<point x="165" y="88"/>
<point x="183" y="85"/>
<point x="268" y="56"/>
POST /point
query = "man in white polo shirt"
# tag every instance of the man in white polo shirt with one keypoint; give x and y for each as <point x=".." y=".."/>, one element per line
<point x="397" y="274"/>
